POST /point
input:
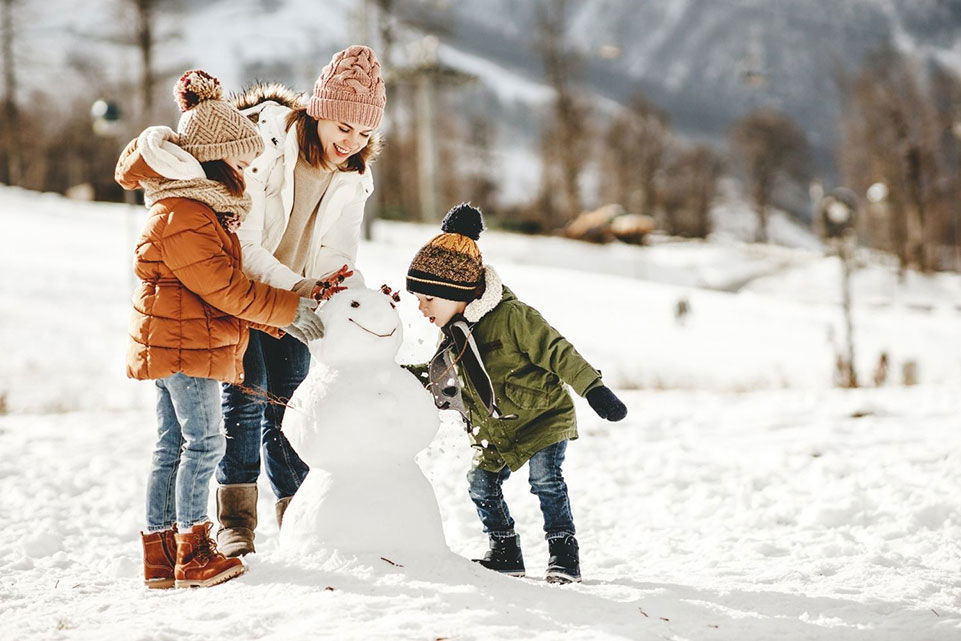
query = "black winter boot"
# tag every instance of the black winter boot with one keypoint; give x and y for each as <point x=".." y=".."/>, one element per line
<point x="504" y="556"/>
<point x="564" y="565"/>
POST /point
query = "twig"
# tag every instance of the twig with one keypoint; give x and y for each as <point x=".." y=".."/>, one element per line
<point x="260" y="394"/>
<point x="384" y="558"/>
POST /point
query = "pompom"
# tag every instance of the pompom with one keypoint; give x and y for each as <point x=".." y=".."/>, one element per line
<point x="465" y="220"/>
<point x="196" y="86"/>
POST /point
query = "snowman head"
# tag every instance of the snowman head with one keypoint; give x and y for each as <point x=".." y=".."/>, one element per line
<point x="360" y="325"/>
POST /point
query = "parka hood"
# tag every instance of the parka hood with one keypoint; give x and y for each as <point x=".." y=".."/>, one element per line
<point x="494" y="293"/>
<point x="278" y="94"/>
<point x="154" y="155"/>
<point x="268" y="92"/>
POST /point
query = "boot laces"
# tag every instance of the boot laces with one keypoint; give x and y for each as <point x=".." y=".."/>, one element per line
<point x="206" y="549"/>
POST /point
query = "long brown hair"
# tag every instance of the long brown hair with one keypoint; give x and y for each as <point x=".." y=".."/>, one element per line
<point x="226" y="175"/>
<point x="312" y="148"/>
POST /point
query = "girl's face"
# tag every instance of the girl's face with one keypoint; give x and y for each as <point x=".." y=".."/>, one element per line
<point x="439" y="311"/>
<point x="341" y="140"/>
<point x="239" y="163"/>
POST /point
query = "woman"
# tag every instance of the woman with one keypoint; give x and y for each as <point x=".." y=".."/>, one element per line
<point x="192" y="310"/>
<point x="308" y="190"/>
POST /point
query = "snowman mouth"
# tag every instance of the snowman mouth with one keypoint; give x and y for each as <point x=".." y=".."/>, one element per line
<point x="371" y="332"/>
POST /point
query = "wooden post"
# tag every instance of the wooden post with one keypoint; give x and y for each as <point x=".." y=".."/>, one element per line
<point x="426" y="146"/>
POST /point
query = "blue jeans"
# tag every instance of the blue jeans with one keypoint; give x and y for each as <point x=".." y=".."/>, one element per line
<point x="547" y="483"/>
<point x="273" y="369"/>
<point x="189" y="445"/>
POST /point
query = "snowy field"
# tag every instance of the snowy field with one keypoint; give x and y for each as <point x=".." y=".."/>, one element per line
<point x="743" y="498"/>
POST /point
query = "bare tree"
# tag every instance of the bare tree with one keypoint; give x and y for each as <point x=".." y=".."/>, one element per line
<point x="634" y="151"/>
<point x="891" y="137"/>
<point x="145" y="42"/>
<point x="770" y="147"/>
<point x="946" y="102"/>
<point x="480" y="177"/>
<point x="688" y="189"/>
<point x="564" y="147"/>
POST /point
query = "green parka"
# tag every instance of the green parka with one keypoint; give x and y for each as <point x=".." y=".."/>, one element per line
<point x="528" y="362"/>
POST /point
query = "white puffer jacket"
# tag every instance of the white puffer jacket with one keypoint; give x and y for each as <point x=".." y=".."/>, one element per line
<point x="270" y="183"/>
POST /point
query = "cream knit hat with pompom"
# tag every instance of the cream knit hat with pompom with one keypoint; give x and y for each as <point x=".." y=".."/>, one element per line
<point x="211" y="128"/>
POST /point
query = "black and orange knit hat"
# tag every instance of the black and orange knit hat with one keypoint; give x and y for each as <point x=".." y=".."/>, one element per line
<point x="450" y="265"/>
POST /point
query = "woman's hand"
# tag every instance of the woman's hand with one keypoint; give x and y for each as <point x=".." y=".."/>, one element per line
<point x="330" y="285"/>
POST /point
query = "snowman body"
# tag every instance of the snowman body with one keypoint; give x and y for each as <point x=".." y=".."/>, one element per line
<point x="358" y="421"/>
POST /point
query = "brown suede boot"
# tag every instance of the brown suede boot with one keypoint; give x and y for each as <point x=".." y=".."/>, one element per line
<point x="199" y="564"/>
<point x="237" y="513"/>
<point x="280" y="507"/>
<point x="159" y="555"/>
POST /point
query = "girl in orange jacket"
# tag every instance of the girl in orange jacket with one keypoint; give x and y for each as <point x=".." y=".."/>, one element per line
<point x="192" y="311"/>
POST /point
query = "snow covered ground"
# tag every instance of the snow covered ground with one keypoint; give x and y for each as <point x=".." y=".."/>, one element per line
<point x="743" y="497"/>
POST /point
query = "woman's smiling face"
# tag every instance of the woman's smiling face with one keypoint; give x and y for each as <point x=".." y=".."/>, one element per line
<point x="341" y="140"/>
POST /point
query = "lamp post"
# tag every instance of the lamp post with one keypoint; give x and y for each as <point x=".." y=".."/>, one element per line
<point x="838" y="212"/>
<point x="107" y="119"/>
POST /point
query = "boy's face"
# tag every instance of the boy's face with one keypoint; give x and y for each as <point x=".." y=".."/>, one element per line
<point x="439" y="311"/>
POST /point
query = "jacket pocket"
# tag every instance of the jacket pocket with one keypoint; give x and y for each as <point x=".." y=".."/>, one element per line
<point x="526" y="398"/>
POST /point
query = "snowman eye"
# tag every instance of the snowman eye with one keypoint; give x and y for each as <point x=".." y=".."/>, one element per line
<point x="354" y="303"/>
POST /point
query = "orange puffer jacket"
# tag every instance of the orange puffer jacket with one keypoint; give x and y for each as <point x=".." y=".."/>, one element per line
<point x="193" y="306"/>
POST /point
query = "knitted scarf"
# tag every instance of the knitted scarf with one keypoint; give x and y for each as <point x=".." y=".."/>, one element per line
<point x="231" y="210"/>
<point x="182" y="176"/>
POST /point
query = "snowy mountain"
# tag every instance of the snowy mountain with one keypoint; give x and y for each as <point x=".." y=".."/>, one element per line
<point x="706" y="62"/>
<point x="709" y="62"/>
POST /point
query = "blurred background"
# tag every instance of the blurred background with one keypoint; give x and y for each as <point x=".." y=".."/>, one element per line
<point x="744" y="212"/>
<point x="803" y="150"/>
<point x="542" y="110"/>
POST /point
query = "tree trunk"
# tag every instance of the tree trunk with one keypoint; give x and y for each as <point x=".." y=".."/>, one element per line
<point x="145" y="43"/>
<point x="11" y="113"/>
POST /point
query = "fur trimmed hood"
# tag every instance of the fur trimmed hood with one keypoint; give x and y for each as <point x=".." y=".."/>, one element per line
<point x="493" y="292"/>
<point x="265" y="95"/>
<point x="268" y="92"/>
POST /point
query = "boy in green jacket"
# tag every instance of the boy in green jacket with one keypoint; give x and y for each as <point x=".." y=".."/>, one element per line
<point x="502" y="367"/>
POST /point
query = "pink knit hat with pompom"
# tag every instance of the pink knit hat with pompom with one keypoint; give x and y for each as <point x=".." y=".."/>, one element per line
<point x="350" y="89"/>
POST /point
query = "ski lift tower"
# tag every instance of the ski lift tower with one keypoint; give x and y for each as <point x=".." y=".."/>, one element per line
<point x="428" y="76"/>
<point x="837" y="215"/>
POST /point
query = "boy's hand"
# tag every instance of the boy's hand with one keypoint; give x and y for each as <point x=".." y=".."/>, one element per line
<point x="603" y="401"/>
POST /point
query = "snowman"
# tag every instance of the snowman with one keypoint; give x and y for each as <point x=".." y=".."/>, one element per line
<point x="358" y="420"/>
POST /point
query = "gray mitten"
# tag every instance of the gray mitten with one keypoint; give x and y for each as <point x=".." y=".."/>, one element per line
<point x="296" y="333"/>
<point x="306" y="321"/>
